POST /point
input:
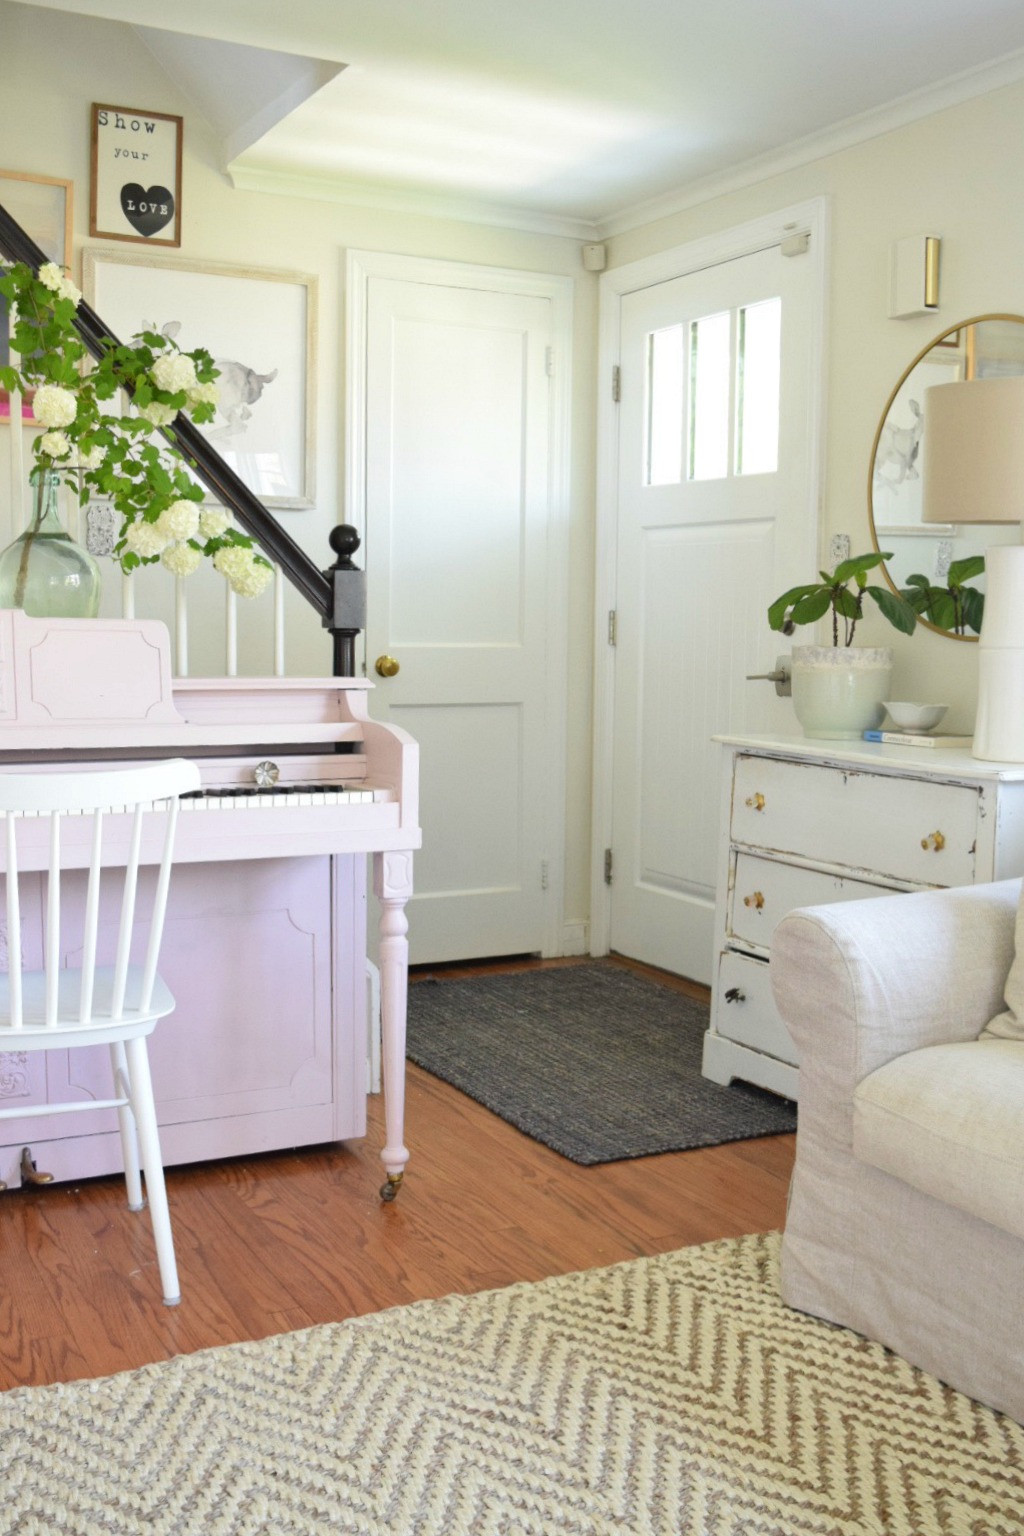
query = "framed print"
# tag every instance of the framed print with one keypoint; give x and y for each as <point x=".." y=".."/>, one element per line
<point x="136" y="176"/>
<point x="259" y="325"/>
<point x="42" y="206"/>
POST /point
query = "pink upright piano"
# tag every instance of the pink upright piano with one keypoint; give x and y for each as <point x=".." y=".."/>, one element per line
<point x="265" y="943"/>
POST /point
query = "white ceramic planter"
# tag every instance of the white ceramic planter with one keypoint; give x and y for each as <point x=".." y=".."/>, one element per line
<point x="838" y="691"/>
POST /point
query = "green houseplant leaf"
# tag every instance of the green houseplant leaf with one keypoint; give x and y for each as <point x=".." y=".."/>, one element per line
<point x="807" y="604"/>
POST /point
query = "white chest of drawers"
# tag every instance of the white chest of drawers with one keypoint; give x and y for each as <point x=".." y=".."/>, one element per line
<point x="805" y="823"/>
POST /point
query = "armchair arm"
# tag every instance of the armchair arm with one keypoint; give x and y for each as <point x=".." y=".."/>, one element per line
<point x="861" y="982"/>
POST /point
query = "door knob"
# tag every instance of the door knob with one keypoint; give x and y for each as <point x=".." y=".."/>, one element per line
<point x="385" y="666"/>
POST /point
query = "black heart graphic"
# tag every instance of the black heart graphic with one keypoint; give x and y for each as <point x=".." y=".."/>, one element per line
<point x="147" y="211"/>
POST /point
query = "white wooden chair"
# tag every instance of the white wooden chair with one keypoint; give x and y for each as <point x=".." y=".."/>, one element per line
<point x="60" y="1008"/>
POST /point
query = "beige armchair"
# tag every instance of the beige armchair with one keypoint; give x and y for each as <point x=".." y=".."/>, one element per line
<point x="906" y="1215"/>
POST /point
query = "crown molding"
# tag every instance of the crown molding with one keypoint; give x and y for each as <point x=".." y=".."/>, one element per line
<point x="817" y="146"/>
<point x="394" y="200"/>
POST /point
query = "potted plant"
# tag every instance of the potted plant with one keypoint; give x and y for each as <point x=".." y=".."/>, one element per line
<point x="956" y="607"/>
<point x="96" y="448"/>
<point x="839" y="689"/>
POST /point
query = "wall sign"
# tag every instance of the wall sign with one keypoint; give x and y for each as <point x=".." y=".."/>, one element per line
<point x="136" y="176"/>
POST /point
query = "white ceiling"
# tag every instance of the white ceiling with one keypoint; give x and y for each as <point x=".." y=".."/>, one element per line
<point x="578" y="115"/>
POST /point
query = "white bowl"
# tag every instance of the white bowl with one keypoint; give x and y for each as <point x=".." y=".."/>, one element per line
<point x="915" y="717"/>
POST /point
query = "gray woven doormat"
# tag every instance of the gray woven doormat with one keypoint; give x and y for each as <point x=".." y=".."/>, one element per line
<point x="594" y="1061"/>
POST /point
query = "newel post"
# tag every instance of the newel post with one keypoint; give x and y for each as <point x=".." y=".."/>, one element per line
<point x="347" y="616"/>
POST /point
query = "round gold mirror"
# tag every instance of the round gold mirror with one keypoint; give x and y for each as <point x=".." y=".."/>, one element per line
<point x="938" y="566"/>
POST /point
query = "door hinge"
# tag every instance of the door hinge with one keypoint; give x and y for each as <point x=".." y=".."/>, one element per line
<point x="607" y="866"/>
<point x="613" y="630"/>
<point x="616" y="383"/>
<point x="549" y="362"/>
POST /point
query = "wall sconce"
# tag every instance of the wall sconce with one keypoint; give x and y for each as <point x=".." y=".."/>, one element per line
<point x="914" y="276"/>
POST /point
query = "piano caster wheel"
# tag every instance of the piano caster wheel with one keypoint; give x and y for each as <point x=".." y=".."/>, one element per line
<point x="389" y="1190"/>
<point x="29" y="1172"/>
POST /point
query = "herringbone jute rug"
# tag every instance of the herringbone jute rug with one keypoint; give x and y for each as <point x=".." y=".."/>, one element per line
<point x="592" y="1060"/>
<point x="672" y="1396"/>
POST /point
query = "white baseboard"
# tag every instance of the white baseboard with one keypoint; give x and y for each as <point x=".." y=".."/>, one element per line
<point x="575" y="939"/>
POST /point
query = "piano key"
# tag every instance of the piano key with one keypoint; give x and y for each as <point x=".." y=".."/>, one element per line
<point x="281" y="797"/>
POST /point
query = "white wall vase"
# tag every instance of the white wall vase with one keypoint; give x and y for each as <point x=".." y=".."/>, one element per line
<point x="839" y="691"/>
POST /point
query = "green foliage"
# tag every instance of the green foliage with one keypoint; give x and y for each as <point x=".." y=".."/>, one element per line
<point x="807" y="604"/>
<point x="955" y="607"/>
<point x="100" y="448"/>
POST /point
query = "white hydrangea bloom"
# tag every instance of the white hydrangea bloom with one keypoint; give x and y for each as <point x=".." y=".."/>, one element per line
<point x="145" y="539"/>
<point x="92" y="459"/>
<point x="53" y="278"/>
<point x="181" y="559"/>
<point x="55" y="444"/>
<point x="203" y="394"/>
<point x="179" y="521"/>
<point x="212" y="523"/>
<point x="238" y="566"/>
<point x="174" y="371"/>
<point x="156" y="414"/>
<point x="53" y="406"/>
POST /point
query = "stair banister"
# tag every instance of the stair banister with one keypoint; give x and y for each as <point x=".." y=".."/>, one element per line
<point x="319" y="588"/>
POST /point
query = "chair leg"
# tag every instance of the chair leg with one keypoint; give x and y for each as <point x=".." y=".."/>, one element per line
<point x="152" y="1164"/>
<point x="126" y="1120"/>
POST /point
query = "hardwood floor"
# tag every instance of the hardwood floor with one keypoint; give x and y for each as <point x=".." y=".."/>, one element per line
<point x="289" y="1239"/>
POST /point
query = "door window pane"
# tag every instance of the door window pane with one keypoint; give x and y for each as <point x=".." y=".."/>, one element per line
<point x="757" y="388"/>
<point x="663" y="458"/>
<point x="709" y="397"/>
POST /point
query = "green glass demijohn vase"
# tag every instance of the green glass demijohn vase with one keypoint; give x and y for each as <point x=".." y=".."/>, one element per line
<point x="44" y="571"/>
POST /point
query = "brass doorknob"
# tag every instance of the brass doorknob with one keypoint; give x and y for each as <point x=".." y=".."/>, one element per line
<point x="385" y="666"/>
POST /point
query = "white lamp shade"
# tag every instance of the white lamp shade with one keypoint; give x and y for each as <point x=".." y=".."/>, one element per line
<point x="973" y="452"/>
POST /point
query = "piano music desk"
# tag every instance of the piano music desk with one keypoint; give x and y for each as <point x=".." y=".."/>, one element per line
<point x="265" y="940"/>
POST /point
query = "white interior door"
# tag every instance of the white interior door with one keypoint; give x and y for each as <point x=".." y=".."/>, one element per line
<point x="715" y="517"/>
<point x="458" y="506"/>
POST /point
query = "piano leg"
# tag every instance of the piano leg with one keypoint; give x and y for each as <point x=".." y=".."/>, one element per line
<point x="392" y="882"/>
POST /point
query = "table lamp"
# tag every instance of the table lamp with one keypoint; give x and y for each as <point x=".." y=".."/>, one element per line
<point x="973" y="472"/>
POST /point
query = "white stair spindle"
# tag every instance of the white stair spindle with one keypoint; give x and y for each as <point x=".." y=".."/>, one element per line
<point x="230" y="632"/>
<point x="127" y="595"/>
<point x="180" y="628"/>
<point x="278" y="621"/>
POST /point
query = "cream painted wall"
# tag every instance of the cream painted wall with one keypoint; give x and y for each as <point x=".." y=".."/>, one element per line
<point x="956" y="174"/>
<point x="53" y="65"/>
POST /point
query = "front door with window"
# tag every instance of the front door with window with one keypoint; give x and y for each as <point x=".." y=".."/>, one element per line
<point x="715" y="518"/>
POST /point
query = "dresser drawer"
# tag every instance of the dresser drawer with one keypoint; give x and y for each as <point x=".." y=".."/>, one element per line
<point x="918" y="830"/>
<point x="764" y="890"/>
<point x="750" y="1017"/>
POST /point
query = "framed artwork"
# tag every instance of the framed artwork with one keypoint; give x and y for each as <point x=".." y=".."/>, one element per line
<point x="136" y="176"/>
<point x="260" y="327"/>
<point x="42" y="205"/>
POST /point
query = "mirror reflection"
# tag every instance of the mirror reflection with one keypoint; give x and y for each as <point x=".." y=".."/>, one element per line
<point x="938" y="567"/>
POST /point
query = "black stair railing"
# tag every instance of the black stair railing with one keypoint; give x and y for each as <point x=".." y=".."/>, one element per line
<point x="338" y="594"/>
